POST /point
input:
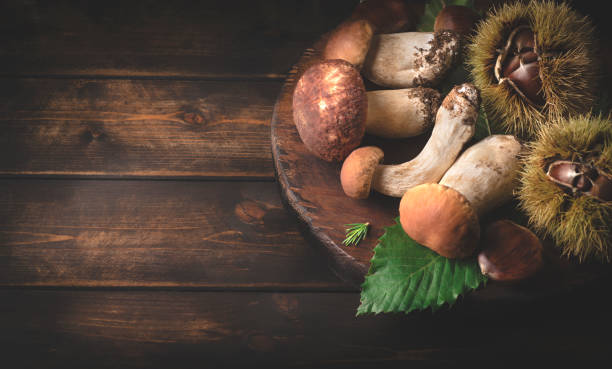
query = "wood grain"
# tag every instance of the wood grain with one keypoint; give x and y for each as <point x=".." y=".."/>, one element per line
<point x="153" y="234"/>
<point x="136" y="128"/>
<point x="240" y="39"/>
<point x="98" y="329"/>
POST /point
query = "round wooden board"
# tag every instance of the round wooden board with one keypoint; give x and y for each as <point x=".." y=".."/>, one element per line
<point x="311" y="188"/>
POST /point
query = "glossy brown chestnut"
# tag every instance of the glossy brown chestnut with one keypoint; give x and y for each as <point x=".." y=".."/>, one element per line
<point x="510" y="252"/>
<point x="580" y="178"/>
<point x="460" y="19"/>
<point x="517" y="65"/>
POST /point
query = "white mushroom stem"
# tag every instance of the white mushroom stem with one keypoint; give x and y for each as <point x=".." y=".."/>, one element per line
<point x="401" y="113"/>
<point x="455" y="124"/>
<point x="410" y="59"/>
<point x="486" y="173"/>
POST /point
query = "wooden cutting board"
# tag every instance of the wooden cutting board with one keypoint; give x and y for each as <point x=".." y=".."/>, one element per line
<point x="311" y="188"/>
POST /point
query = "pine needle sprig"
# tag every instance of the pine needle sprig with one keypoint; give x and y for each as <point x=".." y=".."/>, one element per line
<point x="355" y="233"/>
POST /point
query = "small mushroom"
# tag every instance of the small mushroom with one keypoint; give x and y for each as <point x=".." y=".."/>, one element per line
<point x="455" y="121"/>
<point x="350" y="41"/>
<point x="358" y="169"/>
<point x="330" y="108"/>
<point x="510" y="252"/>
<point x="411" y="59"/>
<point x="444" y="216"/>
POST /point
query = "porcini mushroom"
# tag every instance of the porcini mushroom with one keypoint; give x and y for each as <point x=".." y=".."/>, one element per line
<point x="444" y="216"/>
<point x="411" y="59"/>
<point x="329" y="109"/>
<point x="510" y="252"/>
<point x="455" y="121"/>
<point x="358" y="169"/>
<point x="350" y="41"/>
<point x="332" y="111"/>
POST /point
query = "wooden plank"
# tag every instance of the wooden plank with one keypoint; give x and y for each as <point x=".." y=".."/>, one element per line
<point x="182" y="38"/>
<point x="130" y="329"/>
<point x="135" y="128"/>
<point x="154" y="234"/>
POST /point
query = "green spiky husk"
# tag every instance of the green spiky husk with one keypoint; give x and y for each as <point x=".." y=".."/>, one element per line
<point x="581" y="225"/>
<point x="569" y="66"/>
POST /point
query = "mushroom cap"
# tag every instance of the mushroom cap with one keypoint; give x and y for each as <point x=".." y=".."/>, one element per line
<point x="440" y="218"/>
<point x="510" y="252"/>
<point x="329" y="109"/>
<point x="458" y="18"/>
<point x="350" y="42"/>
<point x="387" y="16"/>
<point x="358" y="170"/>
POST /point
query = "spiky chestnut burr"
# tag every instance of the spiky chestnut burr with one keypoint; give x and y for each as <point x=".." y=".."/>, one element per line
<point x="566" y="185"/>
<point x="534" y="62"/>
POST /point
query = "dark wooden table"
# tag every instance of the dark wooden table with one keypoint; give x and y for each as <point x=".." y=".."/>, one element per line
<point x="141" y="224"/>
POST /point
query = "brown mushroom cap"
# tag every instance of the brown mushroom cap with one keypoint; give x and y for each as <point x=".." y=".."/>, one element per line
<point x="358" y="170"/>
<point x="350" y="41"/>
<point x="440" y="218"/>
<point x="329" y="109"/>
<point x="510" y="252"/>
<point x="457" y="18"/>
<point x="387" y="16"/>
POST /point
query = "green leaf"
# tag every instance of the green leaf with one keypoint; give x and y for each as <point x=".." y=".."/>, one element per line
<point x="433" y="7"/>
<point x="405" y="276"/>
<point x="483" y="126"/>
<point x="458" y="75"/>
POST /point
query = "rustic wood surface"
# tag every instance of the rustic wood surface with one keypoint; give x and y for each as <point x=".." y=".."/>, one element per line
<point x="136" y="128"/>
<point x="141" y="224"/>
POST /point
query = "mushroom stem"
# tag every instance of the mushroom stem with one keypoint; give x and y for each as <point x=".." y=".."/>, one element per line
<point x="486" y="173"/>
<point x="444" y="216"/>
<point x="401" y="113"/>
<point x="455" y="122"/>
<point x="410" y="59"/>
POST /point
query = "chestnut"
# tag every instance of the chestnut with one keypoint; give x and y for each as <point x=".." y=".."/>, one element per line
<point x="510" y="252"/>
<point x="534" y="62"/>
<point x="566" y="186"/>
<point x="517" y="64"/>
<point x="457" y="18"/>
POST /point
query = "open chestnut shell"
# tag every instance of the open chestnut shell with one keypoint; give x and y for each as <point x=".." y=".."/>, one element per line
<point x="518" y="65"/>
<point x="534" y="62"/>
<point x="566" y="185"/>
